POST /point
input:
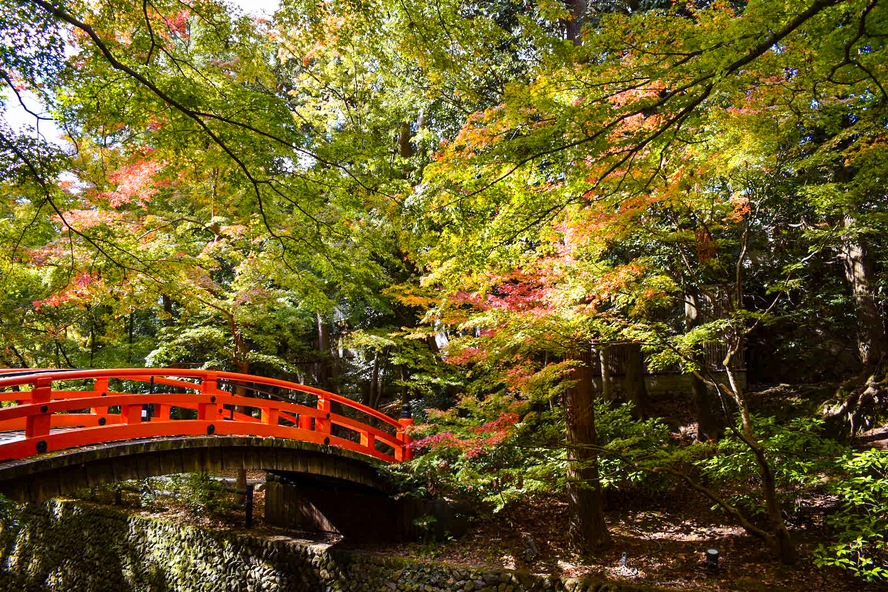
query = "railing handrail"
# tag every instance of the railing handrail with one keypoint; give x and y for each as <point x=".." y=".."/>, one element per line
<point x="39" y="375"/>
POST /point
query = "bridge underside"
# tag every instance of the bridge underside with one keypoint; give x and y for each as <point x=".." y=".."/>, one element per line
<point x="63" y="473"/>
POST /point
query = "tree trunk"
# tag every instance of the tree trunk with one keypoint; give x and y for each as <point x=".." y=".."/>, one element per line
<point x="709" y="427"/>
<point x="405" y="150"/>
<point x="574" y="27"/>
<point x="323" y="369"/>
<point x="607" y="385"/>
<point x="22" y="361"/>
<point x="130" y="329"/>
<point x="405" y="392"/>
<point x="784" y="547"/>
<point x="871" y="338"/>
<point x="373" y="397"/>
<point x="779" y="535"/>
<point x="862" y="396"/>
<point x="167" y="303"/>
<point x="633" y="382"/>
<point x="587" y="528"/>
<point x="709" y="423"/>
<point x="92" y="336"/>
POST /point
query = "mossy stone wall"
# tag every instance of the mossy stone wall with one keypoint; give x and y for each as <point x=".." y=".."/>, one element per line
<point x="67" y="546"/>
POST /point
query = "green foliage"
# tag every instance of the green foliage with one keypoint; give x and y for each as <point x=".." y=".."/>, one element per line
<point x="479" y="451"/>
<point x="861" y="521"/>
<point x="201" y="493"/>
<point x="631" y="449"/>
<point x="426" y="525"/>
<point x="797" y="450"/>
<point x="9" y="511"/>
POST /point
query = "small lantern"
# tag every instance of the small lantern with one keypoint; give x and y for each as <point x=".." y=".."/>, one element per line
<point x="711" y="564"/>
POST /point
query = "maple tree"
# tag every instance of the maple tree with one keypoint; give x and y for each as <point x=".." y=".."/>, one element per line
<point x="648" y="152"/>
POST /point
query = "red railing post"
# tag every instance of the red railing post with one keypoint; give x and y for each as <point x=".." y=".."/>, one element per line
<point x="270" y="415"/>
<point x="405" y="452"/>
<point x="322" y="424"/>
<point x="368" y="440"/>
<point x="100" y="387"/>
<point x="38" y="424"/>
<point x="131" y="413"/>
<point x="162" y="412"/>
<point x="209" y="386"/>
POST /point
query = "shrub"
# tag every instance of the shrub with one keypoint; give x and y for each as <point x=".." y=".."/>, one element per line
<point x="862" y="520"/>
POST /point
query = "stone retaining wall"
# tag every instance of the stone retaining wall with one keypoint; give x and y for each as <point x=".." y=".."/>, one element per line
<point x="67" y="546"/>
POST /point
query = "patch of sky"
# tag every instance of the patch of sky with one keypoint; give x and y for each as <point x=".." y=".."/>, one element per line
<point x="257" y="8"/>
<point x="25" y="114"/>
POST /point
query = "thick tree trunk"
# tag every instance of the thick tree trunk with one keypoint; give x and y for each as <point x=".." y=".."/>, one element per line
<point x="862" y="396"/>
<point x="871" y="338"/>
<point x="709" y="425"/>
<point x="587" y="528"/>
<point x="633" y="382"/>
<point x="405" y="149"/>
<point x="574" y="27"/>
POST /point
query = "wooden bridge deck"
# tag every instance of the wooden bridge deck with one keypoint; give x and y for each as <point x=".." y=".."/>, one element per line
<point x="61" y="473"/>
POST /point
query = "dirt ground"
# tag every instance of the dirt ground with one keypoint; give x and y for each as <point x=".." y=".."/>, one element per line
<point x="664" y="544"/>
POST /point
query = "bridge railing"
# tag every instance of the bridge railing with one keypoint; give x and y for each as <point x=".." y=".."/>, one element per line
<point x="54" y="418"/>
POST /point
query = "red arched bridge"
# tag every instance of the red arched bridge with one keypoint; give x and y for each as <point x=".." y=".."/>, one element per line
<point x="112" y="424"/>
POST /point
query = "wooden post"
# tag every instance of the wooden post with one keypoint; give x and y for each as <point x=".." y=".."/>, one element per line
<point x="209" y="411"/>
<point x="322" y="424"/>
<point x="270" y="416"/>
<point x="100" y="388"/>
<point x="38" y="425"/>
<point x="162" y="412"/>
<point x="406" y="420"/>
<point x="131" y="413"/>
<point x="248" y="507"/>
<point x="368" y="440"/>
